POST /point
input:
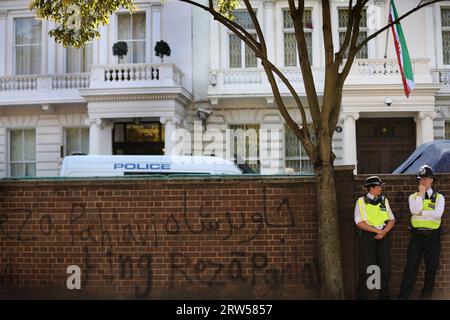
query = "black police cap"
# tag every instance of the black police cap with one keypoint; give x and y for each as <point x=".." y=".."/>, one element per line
<point x="425" y="171"/>
<point x="373" y="181"/>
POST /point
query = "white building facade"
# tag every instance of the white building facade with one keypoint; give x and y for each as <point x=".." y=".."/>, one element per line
<point x="55" y="101"/>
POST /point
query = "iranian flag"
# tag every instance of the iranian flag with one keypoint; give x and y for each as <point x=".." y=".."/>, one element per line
<point x="404" y="61"/>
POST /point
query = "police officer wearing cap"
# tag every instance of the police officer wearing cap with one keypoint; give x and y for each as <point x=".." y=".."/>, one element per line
<point x="374" y="219"/>
<point x="426" y="206"/>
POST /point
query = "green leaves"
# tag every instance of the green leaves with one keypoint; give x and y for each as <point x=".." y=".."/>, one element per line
<point x="226" y="7"/>
<point x="77" y="21"/>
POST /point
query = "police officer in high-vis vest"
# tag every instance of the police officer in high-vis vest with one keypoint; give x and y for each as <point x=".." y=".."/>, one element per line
<point x="426" y="206"/>
<point x="374" y="219"/>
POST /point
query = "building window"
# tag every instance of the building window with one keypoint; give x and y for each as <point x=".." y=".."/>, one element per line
<point x="240" y="55"/>
<point x="290" y="44"/>
<point x="22" y="153"/>
<point x="445" y="21"/>
<point x="79" y="60"/>
<point x="27" y="46"/>
<point x="343" y="22"/>
<point x="76" y="141"/>
<point x="296" y="159"/>
<point x="245" y="144"/>
<point x="447" y="130"/>
<point x="131" y="29"/>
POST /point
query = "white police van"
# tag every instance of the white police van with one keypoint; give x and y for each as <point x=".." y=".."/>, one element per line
<point x="119" y="165"/>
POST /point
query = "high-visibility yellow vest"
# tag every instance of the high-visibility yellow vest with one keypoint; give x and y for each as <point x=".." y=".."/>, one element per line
<point x="417" y="221"/>
<point x="373" y="215"/>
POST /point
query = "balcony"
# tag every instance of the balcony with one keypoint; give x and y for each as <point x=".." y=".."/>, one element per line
<point x="65" y="88"/>
<point x="253" y="82"/>
<point x="442" y="76"/>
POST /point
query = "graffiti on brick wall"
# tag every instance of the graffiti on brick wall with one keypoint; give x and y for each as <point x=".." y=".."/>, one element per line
<point x="105" y="245"/>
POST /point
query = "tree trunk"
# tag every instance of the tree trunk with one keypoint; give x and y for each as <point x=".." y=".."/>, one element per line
<point x="331" y="284"/>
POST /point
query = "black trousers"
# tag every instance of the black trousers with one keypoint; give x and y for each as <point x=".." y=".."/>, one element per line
<point x="373" y="252"/>
<point x="429" y="247"/>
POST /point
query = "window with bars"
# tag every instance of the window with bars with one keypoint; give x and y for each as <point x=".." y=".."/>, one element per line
<point x="76" y="140"/>
<point x="245" y="144"/>
<point x="447" y="130"/>
<point x="296" y="158"/>
<point x="445" y="25"/>
<point x="27" y="46"/>
<point x="343" y="23"/>
<point x="131" y="29"/>
<point x="79" y="60"/>
<point x="290" y="43"/>
<point x="22" y="160"/>
<point x="240" y="55"/>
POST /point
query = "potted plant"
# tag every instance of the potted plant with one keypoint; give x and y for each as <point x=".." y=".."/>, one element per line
<point x="162" y="49"/>
<point x="120" y="49"/>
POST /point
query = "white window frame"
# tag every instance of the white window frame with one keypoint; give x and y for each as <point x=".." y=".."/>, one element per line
<point x="14" y="46"/>
<point x="375" y="22"/>
<point x="291" y="30"/>
<point x="146" y="39"/>
<point x="224" y="40"/>
<point x="438" y="32"/>
<point x="79" y="138"/>
<point x="361" y="29"/>
<point x="318" y="55"/>
<point x="301" y="157"/>
<point x="247" y="157"/>
<point x="22" y="129"/>
<point x="243" y="45"/>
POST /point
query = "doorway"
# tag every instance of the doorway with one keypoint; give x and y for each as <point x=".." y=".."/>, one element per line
<point x="146" y="138"/>
<point x="384" y="143"/>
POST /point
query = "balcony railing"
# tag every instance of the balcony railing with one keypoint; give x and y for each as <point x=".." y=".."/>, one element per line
<point x="44" y="82"/>
<point x="364" y="71"/>
<point x="136" y="75"/>
<point x="49" y="88"/>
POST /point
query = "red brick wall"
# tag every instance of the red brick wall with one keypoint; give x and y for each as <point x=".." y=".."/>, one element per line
<point x="202" y="238"/>
<point x="182" y="238"/>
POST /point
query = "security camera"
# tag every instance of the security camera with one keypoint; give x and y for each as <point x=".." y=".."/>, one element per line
<point x="388" y="101"/>
<point x="208" y="112"/>
<point x="203" y="113"/>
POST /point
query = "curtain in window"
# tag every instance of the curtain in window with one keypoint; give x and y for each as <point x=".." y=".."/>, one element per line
<point x="28" y="35"/>
<point x="22" y="153"/>
<point x="131" y="29"/>
<point x="77" y="140"/>
<point x="79" y="60"/>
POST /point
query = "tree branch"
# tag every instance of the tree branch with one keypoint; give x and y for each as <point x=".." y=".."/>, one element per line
<point x="348" y="33"/>
<point x="255" y="21"/>
<point x="327" y="33"/>
<point x="305" y="64"/>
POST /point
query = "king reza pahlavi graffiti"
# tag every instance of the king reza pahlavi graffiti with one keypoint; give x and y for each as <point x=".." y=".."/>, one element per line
<point x="152" y="243"/>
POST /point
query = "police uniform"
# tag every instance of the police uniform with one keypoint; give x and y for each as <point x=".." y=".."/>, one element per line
<point x="374" y="211"/>
<point x="425" y="238"/>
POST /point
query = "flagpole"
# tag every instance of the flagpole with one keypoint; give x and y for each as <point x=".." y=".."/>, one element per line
<point x="387" y="39"/>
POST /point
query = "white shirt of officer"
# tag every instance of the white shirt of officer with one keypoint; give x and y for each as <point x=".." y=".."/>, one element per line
<point x="416" y="203"/>
<point x="360" y="216"/>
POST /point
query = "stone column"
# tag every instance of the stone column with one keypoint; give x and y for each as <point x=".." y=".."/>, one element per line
<point x="349" y="156"/>
<point x="170" y="125"/>
<point x="269" y="27"/>
<point x="3" y="15"/>
<point x="156" y="28"/>
<point x="100" y="136"/>
<point x="427" y="125"/>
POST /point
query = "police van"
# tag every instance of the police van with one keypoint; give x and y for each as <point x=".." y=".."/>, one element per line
<point x="122" y="165"/>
